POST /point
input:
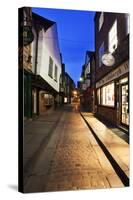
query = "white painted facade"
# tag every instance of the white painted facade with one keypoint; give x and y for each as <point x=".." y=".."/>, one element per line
<point x="48" y="46"/>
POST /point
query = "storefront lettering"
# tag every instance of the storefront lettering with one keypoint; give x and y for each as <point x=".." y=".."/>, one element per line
<point x="122" y="69"/>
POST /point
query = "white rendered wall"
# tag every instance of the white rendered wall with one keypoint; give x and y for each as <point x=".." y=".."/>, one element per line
<point x="33" y="51"/>
<point x="48" y="46"/>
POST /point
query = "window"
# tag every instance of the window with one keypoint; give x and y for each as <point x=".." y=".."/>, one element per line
<point x="55" y="73"/>
<point x="87" y="70"/>
<point x="101" y="20"/>
<point x="127" y="24"/>
<point x="50" y="72"/>
<point x="101" y="52"/>
<point x="49" y="100"/>
<point x="113" y="41"/>
<point x="107" y="95"/>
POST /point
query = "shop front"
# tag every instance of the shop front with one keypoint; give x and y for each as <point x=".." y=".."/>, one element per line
<point x="123" y="101"/>
<point x="27" y="95"/>
<point x="113" y="96"/>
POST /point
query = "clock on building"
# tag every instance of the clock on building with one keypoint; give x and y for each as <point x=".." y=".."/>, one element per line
<point x="108" y="59"/>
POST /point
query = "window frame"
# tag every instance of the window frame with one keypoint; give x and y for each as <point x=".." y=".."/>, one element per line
<point x="50" y="70"/>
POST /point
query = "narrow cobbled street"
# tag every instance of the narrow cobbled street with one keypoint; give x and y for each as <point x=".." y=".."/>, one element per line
<point x="61" y="153"/>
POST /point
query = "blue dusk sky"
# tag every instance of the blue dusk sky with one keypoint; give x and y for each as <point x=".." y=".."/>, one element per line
<point x="76" y="36"/>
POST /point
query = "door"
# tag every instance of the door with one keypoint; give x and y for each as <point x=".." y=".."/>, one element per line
<point x="124" y="105"/>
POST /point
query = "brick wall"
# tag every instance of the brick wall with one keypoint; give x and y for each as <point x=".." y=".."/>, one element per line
<point x="122" y="51"/>
<point x="109" y="114"/>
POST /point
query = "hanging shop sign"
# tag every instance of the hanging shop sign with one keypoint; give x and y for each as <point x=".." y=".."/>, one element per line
<point x="84" y="87"/>
<point x="28" y="36"/>
<point x="121" y="70"/>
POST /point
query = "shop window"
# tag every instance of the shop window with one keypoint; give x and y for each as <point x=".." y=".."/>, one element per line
<point x="124" y="80"/>
<point x="65" y="99"/>
<point x="101" y="20"/>
<point x="49" y="100"/>
<point x="55" y="73"/>
<point x="125" y="106"/>
<point x="113" y="40"/>
<point x="50" y="72"/>
<point x="101" y="52"/>
<point x="107" y="95"/>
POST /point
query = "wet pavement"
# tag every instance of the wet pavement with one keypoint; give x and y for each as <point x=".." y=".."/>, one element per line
<point x="61" y="153"/>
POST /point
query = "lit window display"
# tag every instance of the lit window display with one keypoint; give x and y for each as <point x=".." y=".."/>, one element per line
<point x="107" y="95"/>
<point x="65" y="99"/>
<point x="125" y="109"/>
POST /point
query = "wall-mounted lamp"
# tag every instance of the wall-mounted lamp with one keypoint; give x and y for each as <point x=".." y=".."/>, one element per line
<point x="80" y="79"/>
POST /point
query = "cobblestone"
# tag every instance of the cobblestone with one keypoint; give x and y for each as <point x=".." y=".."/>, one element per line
<point x="77" y="161"/>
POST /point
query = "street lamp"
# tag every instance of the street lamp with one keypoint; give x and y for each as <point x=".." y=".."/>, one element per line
<point x="81" y="79"/>
<point x="75" y="92"/>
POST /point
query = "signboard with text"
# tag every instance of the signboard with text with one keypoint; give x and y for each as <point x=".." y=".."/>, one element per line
<point x="121" y="70"/>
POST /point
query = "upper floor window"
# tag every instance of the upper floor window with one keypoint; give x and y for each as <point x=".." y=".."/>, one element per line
<point x="127" y="24"/>
<point x="101" y="20"/>
<point x="87" y="70"/>
<point x="113" y="40"/>
<point x="101" y="52"/>
<point x="55" y="73"/>
<point x="50" y="72"/>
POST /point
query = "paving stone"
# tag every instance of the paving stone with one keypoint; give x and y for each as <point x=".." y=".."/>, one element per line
<point x="118" y="148"/>
<point x="72" y="160"/>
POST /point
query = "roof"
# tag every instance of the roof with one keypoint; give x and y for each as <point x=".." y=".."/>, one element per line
<point x="66" y="74"/>
<point x="46" y="23"/>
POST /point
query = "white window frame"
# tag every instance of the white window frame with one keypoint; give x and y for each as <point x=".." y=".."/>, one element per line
<point x="113" y="38"/>
<point x="101" y="20"/>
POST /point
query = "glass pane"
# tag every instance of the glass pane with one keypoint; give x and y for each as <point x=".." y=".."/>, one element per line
<point x="108" y="95"/>
<point x="125" y="115"/>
